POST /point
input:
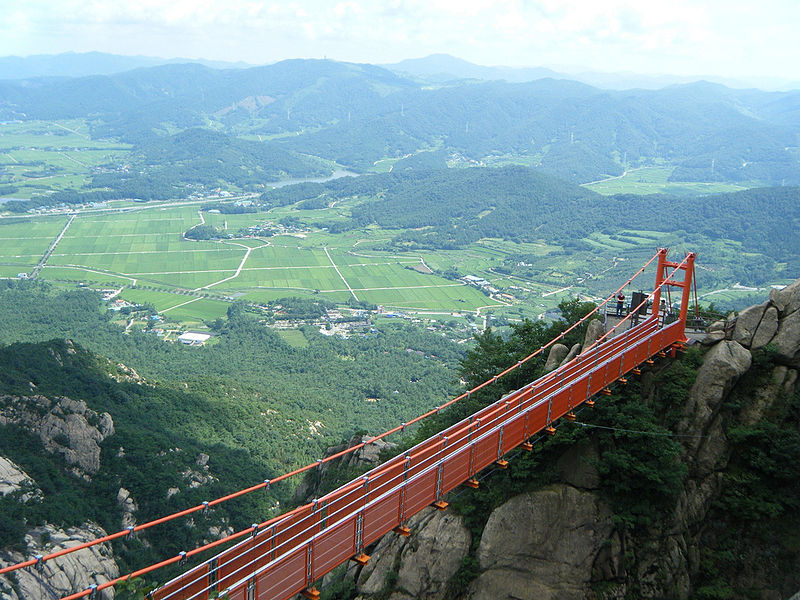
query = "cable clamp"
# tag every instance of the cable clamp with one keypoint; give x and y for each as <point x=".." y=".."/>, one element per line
<point x="402" y="427"/>
<point x="183" y="556"/>
<point x="131" y="531"/>
<point x="93" y="591"/>
<point x="319" y="464"/>
<point x="266" y="485"/>
<point x="39" y="562"/>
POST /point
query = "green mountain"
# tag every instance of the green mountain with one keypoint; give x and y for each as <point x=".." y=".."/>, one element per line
<point x="358" y="114"/>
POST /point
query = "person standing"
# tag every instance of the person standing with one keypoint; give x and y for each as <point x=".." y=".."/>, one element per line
<point x="620" y="303"/>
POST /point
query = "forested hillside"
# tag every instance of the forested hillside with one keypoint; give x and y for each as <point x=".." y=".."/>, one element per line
<point x="266" y="394"/>
<point x="359" y="115"/>
<point x="448" y="209"/>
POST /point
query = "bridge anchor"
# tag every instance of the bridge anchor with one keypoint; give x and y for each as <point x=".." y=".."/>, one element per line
<point x="472" y="483"/>
<point x="310" y="593"/>
<point x="402" y="530"/>
<point x="361" y="559"/>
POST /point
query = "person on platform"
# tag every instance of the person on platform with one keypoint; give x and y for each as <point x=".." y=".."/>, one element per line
<point x="620" y="303"/>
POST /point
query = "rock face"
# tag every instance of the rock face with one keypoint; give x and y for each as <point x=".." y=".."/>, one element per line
<point x="542" y="545"/>
<point x="65" y="426"/>
<point x="14" y="479"/>
<point x="128" y="506"/>
<point x="440" y="542"/>
<point x="61" y="576"/>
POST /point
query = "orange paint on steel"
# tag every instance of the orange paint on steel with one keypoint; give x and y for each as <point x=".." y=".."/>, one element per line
<point x="660" y="255"/>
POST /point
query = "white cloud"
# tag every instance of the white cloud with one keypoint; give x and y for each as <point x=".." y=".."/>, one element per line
<point x="679" y="36"/>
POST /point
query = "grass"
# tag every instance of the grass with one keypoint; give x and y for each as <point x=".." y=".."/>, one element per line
<point x="198" y="310"/>
<point x="293" y="337"/>
<point x="144" y="252"/>
<point x="162" y="300"/>
<point x="654" y="180"/>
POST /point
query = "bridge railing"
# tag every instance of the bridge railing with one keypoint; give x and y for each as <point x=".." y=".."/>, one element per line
<point x="289" y="555"/>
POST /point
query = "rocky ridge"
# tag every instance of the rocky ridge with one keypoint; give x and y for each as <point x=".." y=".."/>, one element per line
<point x="63" y="425"/>
<point x="57" y="578"/>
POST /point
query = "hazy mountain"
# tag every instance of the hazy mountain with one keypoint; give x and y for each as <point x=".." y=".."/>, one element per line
<point x="358" y="114"/>
<point x="443" y="67"/>
<point x="72" y="64"/>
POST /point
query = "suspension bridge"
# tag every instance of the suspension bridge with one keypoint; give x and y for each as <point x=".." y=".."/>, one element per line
<point x="285" y="556"/>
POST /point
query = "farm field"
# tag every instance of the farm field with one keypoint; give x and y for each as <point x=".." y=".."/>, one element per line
<point x="44" y="156"/>
<point x="23" y="241"/>
<point x="654" y="180"/>
<point x="144" y="253"/>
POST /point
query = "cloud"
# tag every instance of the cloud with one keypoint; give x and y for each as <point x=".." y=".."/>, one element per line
<point x="681" y="36"/>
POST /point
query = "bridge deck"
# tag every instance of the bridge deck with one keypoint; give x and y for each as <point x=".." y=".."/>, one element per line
<point x="287" y="557"/>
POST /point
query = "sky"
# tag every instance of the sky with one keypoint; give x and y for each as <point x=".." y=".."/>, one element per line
<point x="724" y="38"/>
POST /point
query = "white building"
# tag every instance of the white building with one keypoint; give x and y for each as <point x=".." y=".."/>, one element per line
<point x="190" y="338"/>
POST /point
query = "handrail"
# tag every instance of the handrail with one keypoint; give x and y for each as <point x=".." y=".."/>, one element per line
<point x="266" y="484"/>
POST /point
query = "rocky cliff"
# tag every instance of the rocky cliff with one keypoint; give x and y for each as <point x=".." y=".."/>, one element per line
<point x="61" y="577"/>
<point x="53" y="579"/>
<point x="714" y="519"/>
<point x="63" y="425"/>
<point x="69" y="428"/>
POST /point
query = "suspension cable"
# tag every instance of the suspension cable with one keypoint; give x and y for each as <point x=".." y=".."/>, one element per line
<point x="266" y="484"/>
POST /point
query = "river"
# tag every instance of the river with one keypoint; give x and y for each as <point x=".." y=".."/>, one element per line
<point x="336" y="175"/>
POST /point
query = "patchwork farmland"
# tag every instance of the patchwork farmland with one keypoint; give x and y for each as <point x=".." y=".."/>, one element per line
<point x="144" y="256"/>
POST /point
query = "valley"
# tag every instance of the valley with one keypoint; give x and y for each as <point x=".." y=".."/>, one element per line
<point x="242" y="269"/>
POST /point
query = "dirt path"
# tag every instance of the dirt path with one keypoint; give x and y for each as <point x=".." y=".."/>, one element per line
<point x="340" y="273"/>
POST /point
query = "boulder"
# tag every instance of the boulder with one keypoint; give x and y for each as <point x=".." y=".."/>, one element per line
<point x="594" y="332"/>
<point x="542" y="545"/>
<point x="712" y="337"/>
<point x="573" y="352"/>
<point x="747" y="323"/>
<point x="787" y="339"/>
<point x="766" y="329"/>
<point x="557" y="353"/>
<point x="786" y="300"/>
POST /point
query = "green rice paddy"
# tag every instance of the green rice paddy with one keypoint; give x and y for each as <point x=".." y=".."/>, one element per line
<point x="144" y="253"/>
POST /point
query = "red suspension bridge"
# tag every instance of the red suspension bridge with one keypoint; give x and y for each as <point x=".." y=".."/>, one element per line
<point x="285" y="555"/>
